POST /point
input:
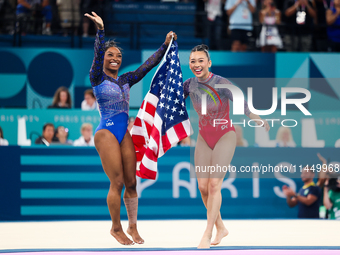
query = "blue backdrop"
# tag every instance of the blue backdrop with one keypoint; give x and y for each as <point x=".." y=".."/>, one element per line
<point x="29" y="77"/>
<point x="69" y="183"/>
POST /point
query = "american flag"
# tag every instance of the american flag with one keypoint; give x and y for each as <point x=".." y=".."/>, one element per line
<point x="162" y="120"/>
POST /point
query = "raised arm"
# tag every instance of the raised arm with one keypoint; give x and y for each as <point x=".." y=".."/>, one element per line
<point x="251" y="7"/>
<point x="289" y="11"/>
<point x="96" y="70"/>
<point x="231" y="8"/>
<point x="151" y="62"/>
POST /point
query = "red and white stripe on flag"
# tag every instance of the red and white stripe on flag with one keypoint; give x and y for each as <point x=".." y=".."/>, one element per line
<point x="148" y="140"/>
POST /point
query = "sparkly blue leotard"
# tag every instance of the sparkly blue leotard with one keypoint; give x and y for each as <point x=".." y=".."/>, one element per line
<point x="113" y="94"/>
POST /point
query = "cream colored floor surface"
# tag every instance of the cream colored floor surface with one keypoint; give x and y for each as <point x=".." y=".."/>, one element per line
<point x="167" y="234"/>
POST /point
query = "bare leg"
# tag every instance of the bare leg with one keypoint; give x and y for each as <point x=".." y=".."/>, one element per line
<point x="221" y="155"/>
<point x="213" y="209"/>
<point x="130" y="194"/>
<point x="203" y="157"/>
<point x="227" y="145"/>
<point x="109" y="152"/>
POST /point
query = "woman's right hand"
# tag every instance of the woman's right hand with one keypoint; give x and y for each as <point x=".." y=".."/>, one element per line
<point x="96" y="19"/>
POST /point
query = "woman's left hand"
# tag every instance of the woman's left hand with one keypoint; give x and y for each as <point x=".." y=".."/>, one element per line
<point x="169" y="37"/>
<point x="263" y="123"/>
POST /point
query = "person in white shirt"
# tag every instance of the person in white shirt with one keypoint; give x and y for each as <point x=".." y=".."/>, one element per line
<point x="90" y="102"/>
<point x="86" y="138"/>
<point x="3" y="142"/>
<point x="240" y="14"/>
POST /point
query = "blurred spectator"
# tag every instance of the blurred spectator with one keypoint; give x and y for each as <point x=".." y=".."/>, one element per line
<point x="27" y="9"/>
<point x="61" y="136"/>
<point x="86" y="138"/>
<point x="3" y="141"/>
<point x="300" y="15"/>
<point x="333" y="22"/>
<point x="331" y="198"/>
<point x="88" y="6"/>
<point x="61" y="99"/>
<point x="284" y="137"/>
<point x="331" y="189"/>
<point x="214" y="19"/>
<point x="241" y="22"/>
<point x="240" y="141"/>
<point x="2" y="5"/>
<point x="270" y="38"/>
<point x="200" y="19"/>
<point x="307" y="198"/>
<point x="47" y="135"/>
<point x="69" y="15"/>
<point x="7" y="15"/>
<point x="320" y="38"/>
<point x="89" y="102"/>
<point x="131" y="122"/>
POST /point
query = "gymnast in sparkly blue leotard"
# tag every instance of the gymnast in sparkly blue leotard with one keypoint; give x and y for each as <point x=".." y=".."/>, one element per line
<point x="113" y="94"/>
<point x="113" y="142"/>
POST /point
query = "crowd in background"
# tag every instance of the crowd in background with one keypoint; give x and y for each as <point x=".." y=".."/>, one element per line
<point x="270" y="25"/>
<point x="295" y="25"/>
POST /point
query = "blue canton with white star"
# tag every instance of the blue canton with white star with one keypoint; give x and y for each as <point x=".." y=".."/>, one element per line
<point x="167" y="85"/>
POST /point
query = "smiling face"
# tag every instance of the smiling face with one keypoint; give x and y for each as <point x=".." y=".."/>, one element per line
<point x="112" y="59"/>
<point x="199" y="64"/>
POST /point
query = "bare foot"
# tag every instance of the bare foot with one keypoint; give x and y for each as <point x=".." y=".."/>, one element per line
<point x="205" y="242"/>
<point x="121" y="237"/>
<point x="219" y="235"/>
<point x="132" y="231"/>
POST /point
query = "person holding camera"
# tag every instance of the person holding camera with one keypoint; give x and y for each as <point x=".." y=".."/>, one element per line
<point x="240" y="14"/>
<point x="300" y="16"/>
